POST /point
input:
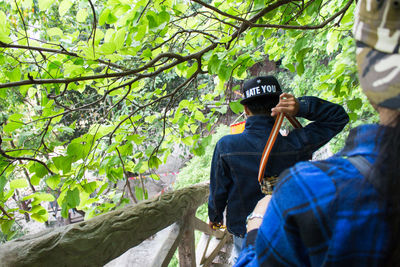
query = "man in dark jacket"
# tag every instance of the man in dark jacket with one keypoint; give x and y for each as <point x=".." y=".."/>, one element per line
<point x="236" y="159"/>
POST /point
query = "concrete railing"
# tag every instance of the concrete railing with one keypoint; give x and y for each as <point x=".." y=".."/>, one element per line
<point x="99" y="240"/>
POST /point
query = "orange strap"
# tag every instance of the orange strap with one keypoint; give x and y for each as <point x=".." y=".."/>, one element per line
<point x="272" y="139"/>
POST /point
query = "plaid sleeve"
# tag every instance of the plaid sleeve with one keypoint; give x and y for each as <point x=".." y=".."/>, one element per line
<point x="295" y="227"/>
<point x="248" y="256"/>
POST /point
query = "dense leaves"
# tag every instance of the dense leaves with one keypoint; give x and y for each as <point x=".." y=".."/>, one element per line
<point x="93" y="92"/>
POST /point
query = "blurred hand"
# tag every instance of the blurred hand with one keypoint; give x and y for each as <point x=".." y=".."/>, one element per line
<point x="260" y="208"/>
<point x="214" y="225"/>
<point x="287" y="105"/>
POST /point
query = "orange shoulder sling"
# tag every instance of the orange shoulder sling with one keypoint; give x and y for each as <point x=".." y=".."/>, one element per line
<point x="267" y="183"/>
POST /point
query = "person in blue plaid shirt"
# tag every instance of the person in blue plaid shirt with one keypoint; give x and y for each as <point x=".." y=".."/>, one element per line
<point x="343" y="211"/>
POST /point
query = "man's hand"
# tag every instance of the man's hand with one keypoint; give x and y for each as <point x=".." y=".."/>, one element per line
<point x="287" y="105"/>
<point x="214" y="225"/>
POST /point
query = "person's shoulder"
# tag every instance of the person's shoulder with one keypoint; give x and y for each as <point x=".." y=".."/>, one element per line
<point x="311" y="177"/>
<point x="230" y="139"/>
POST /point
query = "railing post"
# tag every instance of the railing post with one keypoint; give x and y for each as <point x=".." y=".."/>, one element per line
<point x="187" y="250"/>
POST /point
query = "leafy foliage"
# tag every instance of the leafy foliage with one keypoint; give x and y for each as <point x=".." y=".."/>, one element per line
<point x="93" y="92"/>
<point x="197" y="170"/>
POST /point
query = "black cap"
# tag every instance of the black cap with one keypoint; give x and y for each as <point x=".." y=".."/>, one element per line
<point x="264" y="86"/>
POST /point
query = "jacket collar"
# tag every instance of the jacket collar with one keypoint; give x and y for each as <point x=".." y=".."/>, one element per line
<point x="259" y="123"/>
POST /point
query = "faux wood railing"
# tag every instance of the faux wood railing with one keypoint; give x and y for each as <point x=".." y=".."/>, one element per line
<point x="99" y="240"/>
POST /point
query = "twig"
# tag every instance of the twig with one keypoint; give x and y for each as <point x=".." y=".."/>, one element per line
<point x="127" y="184"/>
<point x="25" y="171"/>
<point x="152" y="102"/>
<point x="5" y="213"/>
<point x="144" y="9"/>
<point x="94" y="26"/>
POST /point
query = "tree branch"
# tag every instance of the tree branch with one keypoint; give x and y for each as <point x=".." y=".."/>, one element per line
<point x="307" y="27"/>
<point x="23" y="158"/>
<point x="150" y="64"/>
<point x="62" y="51"/>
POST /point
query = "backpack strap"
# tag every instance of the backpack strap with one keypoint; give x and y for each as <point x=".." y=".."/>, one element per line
<point x="361" y="164"/>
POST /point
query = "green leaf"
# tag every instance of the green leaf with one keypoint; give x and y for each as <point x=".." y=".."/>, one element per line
<point x="191" y="70"/>
<point x="333" y="41"/>
<point x="353" y="116"/>
<point x="104" y="16"/>
<point x="139" y="193"/>
<point x="108" y="48"/>
<point x="154" y="177"/>
<point x="90" y="187"/>
<point x="300" y="68"/>
<point x="198" y="115"/>
<point x="111" y="19"/>
<point x="38" y="169"/>
<point x="147" y="53"/>
<point x="4" y="28"/>
<point x="75" y="150"/>
<point x="35" y="180"/>
<point x="290" y="67"/>
<point x="12" y="126"/>
<point x="39" y="214"/>
<point x="102" y="188"/>
<point x="72" y="198"/>
<point x="180" y="8"/>
<point x="126" y="150"/>
<point x="15" y="117"/>
<point x="18" y="183"/>
<point x="313" y="7"/>
<point x="45" y="4"/>
<point x="140" y="32"/>
<point x="354" y="104"/>
<point x="348" y="17"/>
<point x="81" y="15"/>
<point x="39" y="197"/>
<point x="236" y="107"/>
<point x="138" y="139"/>
<point x="214" y="64"/>
<point x="115" y="174"/>
<point x="224" y="72"/>
<point x="54" y="32"/>
<point x="3" y="182"/>
<point x="63" y="163"/>
<point x="259" y="4"/>
<point x="188" y="140"/>
<point x="6" y="226"/>
<point x="152" y="21"/>
<point x="53" y="181"/>
<point x="154" y="162"/>
<point x="14" y="75"/>
<point x="120" y="38"/>
<point x="64" y="6"/>
<point x="64" y="210"/>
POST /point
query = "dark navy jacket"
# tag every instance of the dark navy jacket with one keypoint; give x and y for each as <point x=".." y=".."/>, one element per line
<point x="236" y="159"/>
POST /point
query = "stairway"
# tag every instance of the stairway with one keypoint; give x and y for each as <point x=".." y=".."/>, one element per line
<point x="212" y="251"/>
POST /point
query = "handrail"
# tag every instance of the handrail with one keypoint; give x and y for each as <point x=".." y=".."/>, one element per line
<point x="97" y="241"/>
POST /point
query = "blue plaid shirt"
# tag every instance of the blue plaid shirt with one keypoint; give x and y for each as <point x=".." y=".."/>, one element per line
<point x="324" y="213"/>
